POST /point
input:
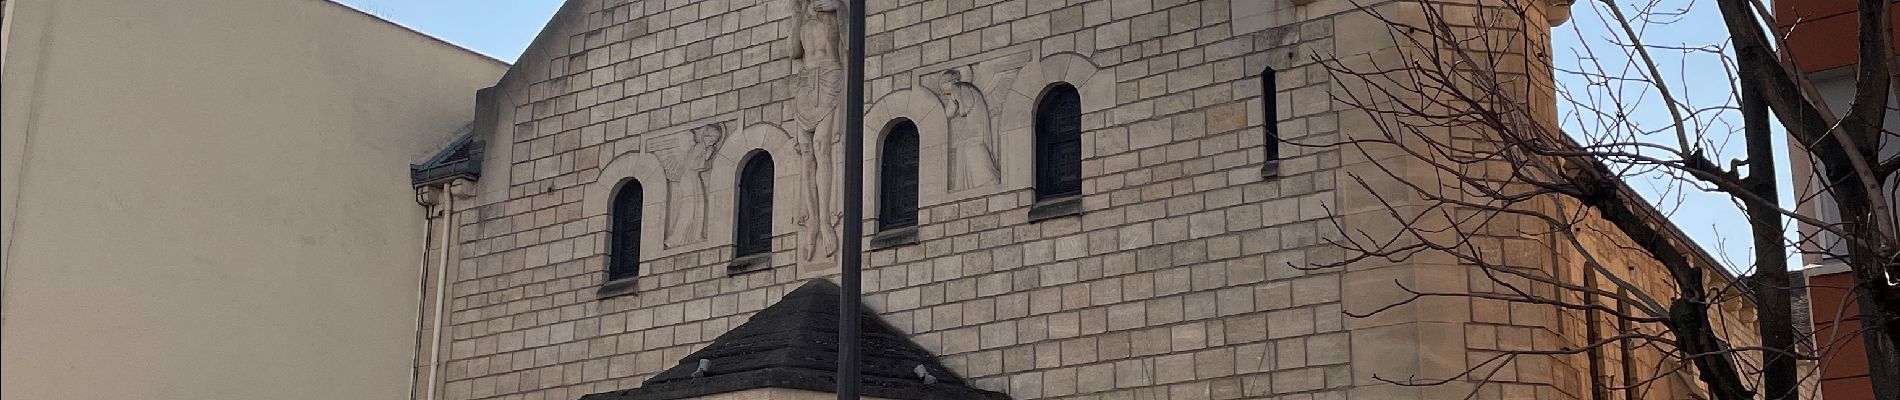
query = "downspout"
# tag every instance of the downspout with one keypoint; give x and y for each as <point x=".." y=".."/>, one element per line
<point x="441" y="281"/>
<point x="426" y="196"/>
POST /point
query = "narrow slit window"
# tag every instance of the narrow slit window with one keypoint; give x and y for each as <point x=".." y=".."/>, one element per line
<point x="1270" y="107"/>
<point x="623" y="256"/>
<point x="897" y="178"/>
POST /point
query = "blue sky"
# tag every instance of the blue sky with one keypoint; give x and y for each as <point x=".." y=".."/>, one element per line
<point x="502" y="28"/>
<point x="497" y="28"/>
<point x="1696" y="77"/>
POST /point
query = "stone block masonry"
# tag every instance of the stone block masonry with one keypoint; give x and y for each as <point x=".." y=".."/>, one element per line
<point x="1176" y="280"/>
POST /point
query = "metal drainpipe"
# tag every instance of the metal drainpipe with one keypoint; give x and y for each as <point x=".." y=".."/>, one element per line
<point x="422" y="284"/>
<point x="441" y="281"/>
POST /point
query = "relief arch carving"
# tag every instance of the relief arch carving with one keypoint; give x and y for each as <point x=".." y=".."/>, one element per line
<point x="597" y="198"/>
<point x="722" y="182"/>
<point x="1016" y="126"/>
<point x="720" y="178"/>
<point x="933" y="143"/>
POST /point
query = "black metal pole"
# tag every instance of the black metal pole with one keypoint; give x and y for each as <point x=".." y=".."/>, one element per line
<point x="851" y="264"/>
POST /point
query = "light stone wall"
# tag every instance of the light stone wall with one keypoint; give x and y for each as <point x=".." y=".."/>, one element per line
<point x="1733" y="317"/>
<point x="1177" y="281"/>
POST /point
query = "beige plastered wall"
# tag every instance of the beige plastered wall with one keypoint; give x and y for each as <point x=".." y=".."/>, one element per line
<point x="208" y="199"/>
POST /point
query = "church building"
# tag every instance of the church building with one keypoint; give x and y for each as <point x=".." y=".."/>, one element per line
<point x="1065" y="199"/>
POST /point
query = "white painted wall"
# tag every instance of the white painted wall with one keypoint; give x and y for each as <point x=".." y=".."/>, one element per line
<point x="1837" y="90"/>
<point x="208" y="199"/>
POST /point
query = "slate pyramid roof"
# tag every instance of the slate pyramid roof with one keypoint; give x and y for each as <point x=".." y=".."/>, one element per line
<point x="794" y="345"/>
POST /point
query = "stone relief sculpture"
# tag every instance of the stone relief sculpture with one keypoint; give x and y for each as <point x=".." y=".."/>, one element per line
<point x="685" y="168"/>
<point x="972" y="139"/>
<point x="818" y="88"/>
<point x="973" y="118"/>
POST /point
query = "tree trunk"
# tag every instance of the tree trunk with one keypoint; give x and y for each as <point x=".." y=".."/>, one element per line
<point x="1774" y="313"/>
<point x="1688" y="319"/>
<point x="1871" y="291"/>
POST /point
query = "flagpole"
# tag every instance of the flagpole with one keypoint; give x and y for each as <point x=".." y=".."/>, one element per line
<point x="852" y="257"/>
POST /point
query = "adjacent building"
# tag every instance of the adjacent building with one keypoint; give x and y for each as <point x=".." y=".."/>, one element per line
<point x="1813" y="33"/>
<point x="206" y="199"/>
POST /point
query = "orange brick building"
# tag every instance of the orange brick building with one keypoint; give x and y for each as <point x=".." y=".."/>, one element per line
<point x="1815" y="31"/>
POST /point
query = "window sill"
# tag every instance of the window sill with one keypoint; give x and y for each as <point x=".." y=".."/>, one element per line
<point x="617" y="288"/>
<point x="893" y="238"/>
<point x="1270" y="169"/>
<point x="1055" y="208"/>
<point x="749" y="263"/>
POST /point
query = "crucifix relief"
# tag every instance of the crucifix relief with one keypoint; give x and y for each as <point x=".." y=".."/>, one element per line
<point x="818" y="88"/>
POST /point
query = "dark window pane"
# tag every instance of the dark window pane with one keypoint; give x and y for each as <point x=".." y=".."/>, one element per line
<point x="897" y="178"/>
<point x="753" y="229"/>
<point x="623" y="256"/>
<point x="1059" y="143"/>
<point x="1269" y="88"/>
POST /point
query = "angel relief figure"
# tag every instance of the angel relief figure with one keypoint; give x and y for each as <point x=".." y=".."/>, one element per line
<point x="973" y="118"/>
<point x="686" y="179"/>
<point x="972" y="141"/>
<point x="818" y="88"/>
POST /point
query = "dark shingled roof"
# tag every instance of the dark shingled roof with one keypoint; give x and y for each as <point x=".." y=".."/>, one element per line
<point x="794" y="345"/>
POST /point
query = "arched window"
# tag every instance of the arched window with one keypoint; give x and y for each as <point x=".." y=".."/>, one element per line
<point x="897" y="178"/>
<point x="1059" y="143"/>
<point x="752" y="232"/>
<point x="1269" y="100"/>
<point x="623" y="252"/>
